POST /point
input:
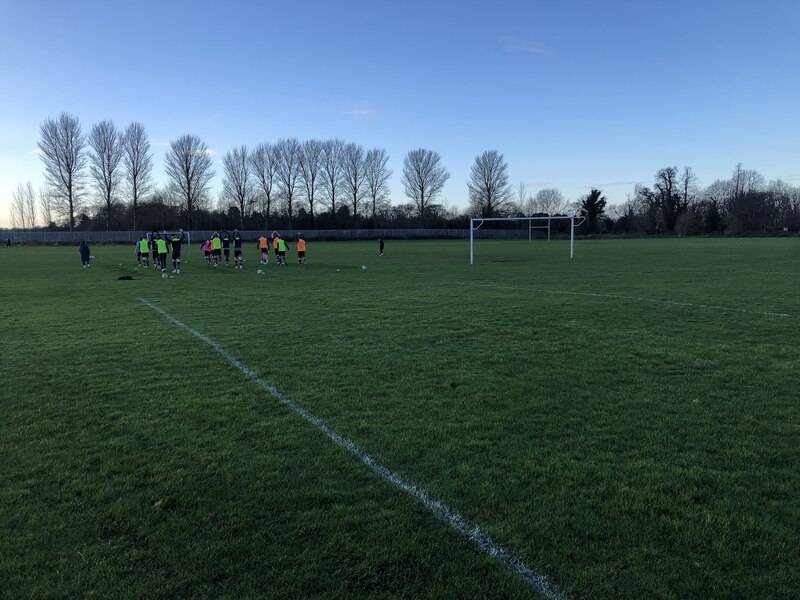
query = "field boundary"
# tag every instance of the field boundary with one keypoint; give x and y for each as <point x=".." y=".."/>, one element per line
<point x="439" y="509"/>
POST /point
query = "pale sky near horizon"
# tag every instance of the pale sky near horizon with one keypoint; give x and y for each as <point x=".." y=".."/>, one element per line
<point x="574" y="93"/>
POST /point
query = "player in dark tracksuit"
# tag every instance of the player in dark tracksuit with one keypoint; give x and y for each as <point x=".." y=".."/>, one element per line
<point x="176" y="239"/>
<point x="154" y="248"/>
<point x="237" y="250"/>
<point x="86" y="255"/>
<point x="226" y="246"/>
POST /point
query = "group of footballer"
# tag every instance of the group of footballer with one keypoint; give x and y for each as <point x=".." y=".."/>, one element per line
<point x="215" y="250"/>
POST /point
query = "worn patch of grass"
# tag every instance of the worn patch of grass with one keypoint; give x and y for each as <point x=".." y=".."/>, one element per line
<point x="625" y="422"/>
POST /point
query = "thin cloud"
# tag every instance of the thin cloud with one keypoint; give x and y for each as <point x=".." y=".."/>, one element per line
<point x="207" y="152"/>
<point x="359" y="109"/>
<point x="35" y="151"/>
<point x="515" y="44"/>
<point x="793" y="177"/>
<point x="155" y="143"/>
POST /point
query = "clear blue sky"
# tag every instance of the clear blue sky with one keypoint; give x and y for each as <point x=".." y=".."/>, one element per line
<point x="574" y="93"/>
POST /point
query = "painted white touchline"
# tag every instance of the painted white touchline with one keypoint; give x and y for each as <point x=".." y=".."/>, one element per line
<point x="630" y="298"/>
<point x="472" y="532"/>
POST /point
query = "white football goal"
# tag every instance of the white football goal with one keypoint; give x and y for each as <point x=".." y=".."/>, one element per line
<point x="533" y="223"/>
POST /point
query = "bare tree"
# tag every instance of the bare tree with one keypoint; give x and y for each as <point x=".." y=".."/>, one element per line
<point x="332" y="172"/>
<point x="23" y="207"/>
<point x="106" y="148"/>
<point x="63" y="153"/>
<point x="289" y="151"/>
<point x="423" y="178"/>
<point x="377" y="181"/>
<point x="188" y="167"/>
<point x="138" y="164"/>
<point x="237" y="186"/>
<point x="665" y="197"/>
<point x="489" y="191"/>
<point x="688" y="183"/>
<point x="354" y="177"/>
<point x="19" y="217"/>
<point x="550" y="202"/>
<point x="30" y="205"/>
<point x="46" y="204"/>
<point x="524" y="200"/>
<point x="311" y="171"/>
<point x="746" y="181"/>
<point x="264" y="165"/>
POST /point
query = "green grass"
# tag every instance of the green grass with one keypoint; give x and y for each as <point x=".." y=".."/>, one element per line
<point x="627" y="423"/>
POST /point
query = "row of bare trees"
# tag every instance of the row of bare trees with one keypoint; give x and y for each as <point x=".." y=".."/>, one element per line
<point x="281" y="177"/>
<point x="106" y="177"/>
<point x="744" y="203"/>
<point x="318" y="174"/>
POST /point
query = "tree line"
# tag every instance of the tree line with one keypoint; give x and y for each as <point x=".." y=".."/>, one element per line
<point x="104" y="180"/>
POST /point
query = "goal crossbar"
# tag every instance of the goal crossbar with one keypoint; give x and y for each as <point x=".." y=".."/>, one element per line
<point x="575" y="221"/>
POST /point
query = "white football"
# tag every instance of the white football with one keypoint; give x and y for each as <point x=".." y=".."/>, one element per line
<point x="164" y="276"/>
<point x="364" y="267"/>
<point x="260" y="272"/>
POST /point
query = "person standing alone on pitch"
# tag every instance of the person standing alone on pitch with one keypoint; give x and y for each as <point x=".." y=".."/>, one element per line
<point x="138" y="252"/>
<point x="263" y="247"/>
<point x="86" y="255"/>
<point x="176" y="239"/>
<point x="380" y="246"/>
<point x="237" y="250"/>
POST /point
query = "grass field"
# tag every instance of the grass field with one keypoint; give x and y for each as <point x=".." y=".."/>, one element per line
<point x="627" y="423"/>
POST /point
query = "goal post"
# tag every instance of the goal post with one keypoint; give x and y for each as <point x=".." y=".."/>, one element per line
<point x="531" y="220"/>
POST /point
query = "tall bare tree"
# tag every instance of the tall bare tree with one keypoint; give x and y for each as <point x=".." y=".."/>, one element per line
<point x="188" y="167"/>
<point x="423" y="178"/>
<point x="264" y="165"/>
<point x="237" y="185"/>
<point x="489" y="190"/>
<point x="63" y="146"/>
<point x="354" y="169"/>
<point x="23" y="207"/>
<point x="289" y="151"/>
<point x="524" y="201"/>
<point x="332" y="172"/>
<point x="377" y="181"/>
<point x="549" y="201"/>
<point x="137" y="161"/>
<point x="746" y="181"/>
<point x="46" y="204"/>
<point x="105" y="154"/>
<point x="311" y="171"/>
<point x="664" y="198"/>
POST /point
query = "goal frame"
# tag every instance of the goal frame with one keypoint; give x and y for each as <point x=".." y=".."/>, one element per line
<point x="481" y="220"/>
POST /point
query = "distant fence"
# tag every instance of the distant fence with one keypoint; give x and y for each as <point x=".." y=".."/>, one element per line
<point x="120" y="237"/>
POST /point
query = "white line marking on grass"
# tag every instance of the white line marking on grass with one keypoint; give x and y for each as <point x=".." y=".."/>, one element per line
<point x="439" y="509"/>
<point x="629" y="298"/>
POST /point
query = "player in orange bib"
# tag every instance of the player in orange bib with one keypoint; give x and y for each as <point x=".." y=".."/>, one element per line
<point x="301" y="249"/>
<point x="263" y="247"/>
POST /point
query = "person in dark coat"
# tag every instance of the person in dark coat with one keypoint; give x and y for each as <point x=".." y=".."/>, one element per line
<point x="86" y="255"/>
